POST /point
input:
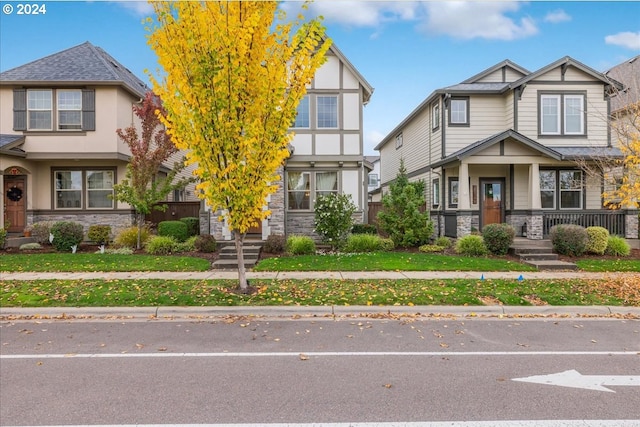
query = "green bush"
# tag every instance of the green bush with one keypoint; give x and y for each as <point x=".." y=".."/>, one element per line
<point x="387" y="244"/>
<point x="334" y="218"/>
<point x="206" y="243"/>
<point x="66" y="234"/>
<point x="471" y="245"/>
<point x="443" y="242"/>
<point x="498" y="238"/>
<point x="431" y="248"/>
<point x="41" y="231"/>
<point x="30" y="246"/>
<point x="569" y="239"/>
<point x="188" y="245"/>
<point x="128" y="237"/>
<point x="176" y="229"/>
<point x="160" y="245"/>
<point x="364" y="229"/>
<point x="300" y="245"/>
<point x="193" y="225"/>
<point x="358" y="243"/>
<point x="275" y="244"/>
<point x="101" y="234"/>
<point x="3" y="237"/>
<point x="617" y="246"/>
<point x="118" y="251"/>
<point x="598" y="239"/>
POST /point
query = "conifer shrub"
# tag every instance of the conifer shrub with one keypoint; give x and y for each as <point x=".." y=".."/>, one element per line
<point x="569" y="239"/>
<point x="598" y="239"/>
<point x="617" y="246"/>
<point x="66" y="234"/>
<point x="300" y="245"/>
<point x="206" y="243"/>
<point x="100" y="234"/>
<point x="176" y="229"/>
<point x="471" y="245"/>
<point x="275" y="244"/>
<point x="498" y="238"/>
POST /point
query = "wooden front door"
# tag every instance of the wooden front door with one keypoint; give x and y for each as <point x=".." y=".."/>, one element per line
<point x="15" y="203"/>
<point x="491" y="202"/>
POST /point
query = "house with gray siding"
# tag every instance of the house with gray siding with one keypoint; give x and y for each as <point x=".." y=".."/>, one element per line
<point x="505" y="145"/>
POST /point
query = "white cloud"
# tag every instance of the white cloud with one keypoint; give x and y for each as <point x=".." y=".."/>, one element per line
<point x="625" y="39"/>
<point x="358" y="13"/>
<point x="371" y="139"/>
<point x="141" y="8"/>
<point x="557" y="16"/>
<point x="473" y="19"/>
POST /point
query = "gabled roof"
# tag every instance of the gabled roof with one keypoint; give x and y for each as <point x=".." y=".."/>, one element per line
<point x="504" y="64"/>
<point x="627" y="72"/>
<point x="493" y="139"/>
<point x="85" y="63"/>
<point x="10" y="145"/>
<point x="565" y="62"/>
<point x="368" y="89"/>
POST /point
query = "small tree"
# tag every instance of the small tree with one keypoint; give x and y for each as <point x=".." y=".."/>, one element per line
<point x="401" y="215"/>
<point x="334" y="218"/>
<point x="142" y="189"/>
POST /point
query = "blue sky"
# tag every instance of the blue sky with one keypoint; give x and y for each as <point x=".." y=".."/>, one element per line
<point x="405" y="49"/>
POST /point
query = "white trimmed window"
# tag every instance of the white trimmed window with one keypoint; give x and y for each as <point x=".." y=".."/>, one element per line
<point x="68" y="189"/>
<point x="69" y="109"/>
<point x="39" y="109"/>
<point x="435" y="116"/>
<point x="302" y="114"/>
<point x="399" y="141"/>
<point x="570" y="189"/>
<point x="548" y="189"/>
<point x="302" y="185"/>
<point x="99" y="189"/>
<point x="327" y="111"/>
<point x="83" y="189"/>
<point x="459" y="111"/>
<point x="436" y="192"/>
<point x="562" y="114"/>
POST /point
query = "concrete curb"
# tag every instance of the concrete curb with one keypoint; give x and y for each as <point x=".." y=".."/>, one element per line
<point x="176" y="313"/>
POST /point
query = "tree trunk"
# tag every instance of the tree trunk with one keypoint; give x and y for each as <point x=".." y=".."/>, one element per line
<point x="140" y="221"/>
<point x="242" y="274"/>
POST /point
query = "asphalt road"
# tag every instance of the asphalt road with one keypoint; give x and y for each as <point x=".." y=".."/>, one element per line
<point x="318" y="370"/>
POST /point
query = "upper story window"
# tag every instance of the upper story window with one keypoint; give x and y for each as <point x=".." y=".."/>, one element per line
<point x="302" y="114"/>
<point x="53" y="109"/>
<point x="562" y="114"/>
<point x="373" y="180"/>
<point x="327" y="111"/>
<point x="399" y="140"/>
<point x="435" y="116"/>
<point x="459" y="111"/>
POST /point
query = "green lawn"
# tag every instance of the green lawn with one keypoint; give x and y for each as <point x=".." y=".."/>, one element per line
<point x="389" y="261"/>
<point x="606" y="265"/>
<point x="141" y="293"/>
<point x="69" y="262"/>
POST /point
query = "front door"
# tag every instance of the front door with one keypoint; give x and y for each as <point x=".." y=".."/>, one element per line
<point x="15" y="202"/>
<point x="491" y="202"/>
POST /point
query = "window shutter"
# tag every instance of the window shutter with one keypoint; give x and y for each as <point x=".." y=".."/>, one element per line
<point x="19" y="109"/>
<point x="88" y="109"/>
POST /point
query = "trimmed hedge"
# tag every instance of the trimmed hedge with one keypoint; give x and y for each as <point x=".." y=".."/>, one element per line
<point x="176" y="229"/>
<point x="598" y="239"/>
<point x="569" y="239"/>
<point x="498" y="238"/>
<point x="471" y="245"/>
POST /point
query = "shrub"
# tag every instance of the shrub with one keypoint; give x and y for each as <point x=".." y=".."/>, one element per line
<point x="364" y="229"/>
<point x="118" y="251"/>
<point x="334" y="218"/>
<point x="188" y="245"/>
<point x="176" y="229"/>
<point x="66" y="234"/>
<point x="617" y="246"/>
<point x="300" y="245"/>
<point x="206" y="243"/>
<point x="498" y="237"/>
<point x="160" y="245"/>
<point x="193" y="225"/>
<point x="357" y="243"/>
<point x="41" y="231"/>
<point x="387" y="244"/>
<point x="431" y="248"/>
<point x="471" y="245"/>
<point x="598" y="239"/>
<point x="275" y="244"/>
<point x="569" y="239"/>
<point x="3" y="237"/>
<point x="443" y="242"/>
<point x="101" y="234"/>
<point x="30" y="246"/>
<point x="128" y="237"/>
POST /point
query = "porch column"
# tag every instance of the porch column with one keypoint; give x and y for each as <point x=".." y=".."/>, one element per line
<point x="535" y="202"/>
<point x="464" y="203"/>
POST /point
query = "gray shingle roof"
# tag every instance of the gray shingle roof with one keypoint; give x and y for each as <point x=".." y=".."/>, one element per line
<point x="627" y="73"/>
<point x="477" y="87"/>
<point x="10" y="145"/>
<point x="589" y="152"/>
<point x="84" y="63"/>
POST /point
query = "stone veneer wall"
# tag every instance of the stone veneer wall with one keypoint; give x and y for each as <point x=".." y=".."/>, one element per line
<point x="631" y="224"/>
<point x="117" y="220"/>
<point x="276" y="206"/>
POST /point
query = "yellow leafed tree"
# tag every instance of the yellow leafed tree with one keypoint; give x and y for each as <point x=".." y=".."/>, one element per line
<point x="233" y="73"/>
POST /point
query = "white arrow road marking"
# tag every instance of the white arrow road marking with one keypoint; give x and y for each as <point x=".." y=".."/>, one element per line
<point x="575" y="379"/>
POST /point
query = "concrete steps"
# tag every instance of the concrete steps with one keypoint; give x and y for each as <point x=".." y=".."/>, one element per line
<point x="228" y="259"/>
<point x="539" y="253"/>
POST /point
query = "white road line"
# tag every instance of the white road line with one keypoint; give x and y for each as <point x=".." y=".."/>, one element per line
<point x="319" y="354"/>
<point x="509" y="423"/>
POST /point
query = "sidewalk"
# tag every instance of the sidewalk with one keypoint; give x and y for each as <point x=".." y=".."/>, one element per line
<point x="176" y="313"/>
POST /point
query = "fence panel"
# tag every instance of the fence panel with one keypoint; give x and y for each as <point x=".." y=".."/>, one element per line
<point x="175" y="211"/>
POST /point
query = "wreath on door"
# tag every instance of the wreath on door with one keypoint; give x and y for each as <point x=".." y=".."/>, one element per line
<point x="14" y="194"/>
